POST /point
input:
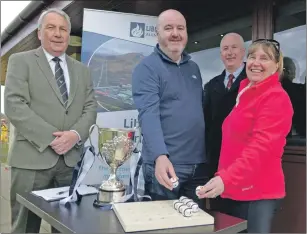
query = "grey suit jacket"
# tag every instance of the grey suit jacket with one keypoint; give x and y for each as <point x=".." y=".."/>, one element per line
<point x="34" y="106"/>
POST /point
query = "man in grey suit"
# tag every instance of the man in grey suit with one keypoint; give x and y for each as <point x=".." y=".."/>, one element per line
<point x="50" y="100"/>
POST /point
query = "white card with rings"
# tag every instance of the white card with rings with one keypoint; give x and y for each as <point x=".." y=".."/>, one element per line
<point x="155" y="215"/>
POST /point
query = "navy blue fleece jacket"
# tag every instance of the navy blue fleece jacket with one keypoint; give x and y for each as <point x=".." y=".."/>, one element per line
<point x="168" y="97"/>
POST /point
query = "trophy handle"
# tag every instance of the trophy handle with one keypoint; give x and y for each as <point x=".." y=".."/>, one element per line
<point x="137" y="129"/>
<point x="89" y="136"/>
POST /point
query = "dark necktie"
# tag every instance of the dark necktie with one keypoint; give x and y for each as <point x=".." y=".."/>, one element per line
<point x="59" y="77"/>
<point x="230" y="81"/>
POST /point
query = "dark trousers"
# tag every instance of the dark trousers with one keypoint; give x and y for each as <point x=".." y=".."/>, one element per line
<point x="259" y="214"/>
<point x="190" y="176"/>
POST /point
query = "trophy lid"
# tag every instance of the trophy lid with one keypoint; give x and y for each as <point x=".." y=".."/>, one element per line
<point x="119" y="129"/>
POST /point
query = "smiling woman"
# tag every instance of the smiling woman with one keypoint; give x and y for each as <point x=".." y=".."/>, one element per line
<point x="263" y="59"/>
<point x="250" y="174"/>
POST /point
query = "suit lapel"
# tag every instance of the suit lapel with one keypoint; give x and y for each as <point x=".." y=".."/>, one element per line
<point x="45" y="68"/>
<point x="219" y="86"/>
<point x="73" y="77"/>
<point x="236" y="84"/>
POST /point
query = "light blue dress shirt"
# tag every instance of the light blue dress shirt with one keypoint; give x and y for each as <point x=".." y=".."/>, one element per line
<point x="236" y="74"/>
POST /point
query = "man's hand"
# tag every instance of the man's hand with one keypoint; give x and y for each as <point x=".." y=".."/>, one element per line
<point x="164" y="171"/>
<point x="64" y="141"/>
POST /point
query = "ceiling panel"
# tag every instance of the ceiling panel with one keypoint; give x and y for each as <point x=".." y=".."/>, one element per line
<point x="200" y="15"/>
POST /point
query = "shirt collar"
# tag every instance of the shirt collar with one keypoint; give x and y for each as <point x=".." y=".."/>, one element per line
<point x="185" y="57"/>
<point x="50" y="57"/>
<point x="236" y="73"/>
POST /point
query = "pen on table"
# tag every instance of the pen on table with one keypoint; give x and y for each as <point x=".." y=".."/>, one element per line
<point x="62" y="192"/>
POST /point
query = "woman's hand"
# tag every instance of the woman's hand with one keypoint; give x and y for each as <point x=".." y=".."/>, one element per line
<point x="212" y="189"/>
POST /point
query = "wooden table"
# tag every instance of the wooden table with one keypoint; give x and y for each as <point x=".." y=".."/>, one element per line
<point x="85" y="218"/>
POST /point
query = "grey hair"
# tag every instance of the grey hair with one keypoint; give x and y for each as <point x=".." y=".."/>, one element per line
<point x="54" y="10"/>
<point x="237" y="35"/>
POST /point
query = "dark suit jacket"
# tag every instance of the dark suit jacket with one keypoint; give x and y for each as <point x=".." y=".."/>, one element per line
<point x="218" y="103"/>
<point x="297" y="94"/>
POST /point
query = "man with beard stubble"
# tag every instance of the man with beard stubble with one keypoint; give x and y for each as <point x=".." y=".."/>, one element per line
<point x="167" y="91"/>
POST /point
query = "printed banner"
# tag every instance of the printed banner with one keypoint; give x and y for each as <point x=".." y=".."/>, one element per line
<point x="113" y="43"/>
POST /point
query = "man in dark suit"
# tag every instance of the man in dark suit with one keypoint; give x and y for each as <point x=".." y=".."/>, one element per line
<point x="295" y="91"/>
<point x="220" y="97"/>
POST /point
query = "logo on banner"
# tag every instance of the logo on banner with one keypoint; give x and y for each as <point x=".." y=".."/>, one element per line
<point x="137" y="29"/>
<point x="142" y="30"/>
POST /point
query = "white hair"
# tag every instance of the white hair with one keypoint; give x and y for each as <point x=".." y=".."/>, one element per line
<point x="57" y="11"/>
<point x="237" y="35"/>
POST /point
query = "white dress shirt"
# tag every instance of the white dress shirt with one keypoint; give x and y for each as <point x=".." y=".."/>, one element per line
<point x="63" y="65"/>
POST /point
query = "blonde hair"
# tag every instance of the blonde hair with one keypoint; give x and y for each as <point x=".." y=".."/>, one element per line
<point x="271" y="50"/>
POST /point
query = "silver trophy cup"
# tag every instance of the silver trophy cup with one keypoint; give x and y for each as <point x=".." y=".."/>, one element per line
<point x="115" y="146"/>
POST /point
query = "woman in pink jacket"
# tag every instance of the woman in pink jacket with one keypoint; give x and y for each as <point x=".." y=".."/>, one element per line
<point x="250" y="175"/>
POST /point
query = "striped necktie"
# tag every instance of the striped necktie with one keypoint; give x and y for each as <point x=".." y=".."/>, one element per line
<point x="59" y="76"/>
<point x="230" y="81"/>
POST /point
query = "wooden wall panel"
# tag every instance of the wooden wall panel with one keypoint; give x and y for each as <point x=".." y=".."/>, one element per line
<point x="292" y="216"/>
<point x="263" y="20"/>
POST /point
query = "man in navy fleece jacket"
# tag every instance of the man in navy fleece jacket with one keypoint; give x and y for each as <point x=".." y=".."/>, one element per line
<point x="167" y="91"/>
